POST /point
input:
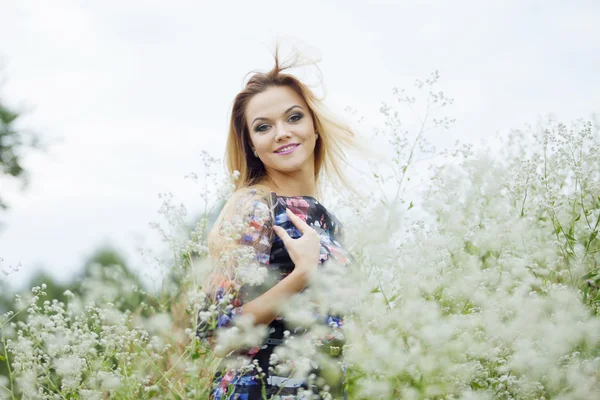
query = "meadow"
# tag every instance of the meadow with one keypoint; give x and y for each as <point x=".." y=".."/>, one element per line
<point x="489" y="291"/>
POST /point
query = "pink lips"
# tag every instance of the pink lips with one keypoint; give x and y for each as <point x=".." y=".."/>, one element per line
<point x="288" y="151"/>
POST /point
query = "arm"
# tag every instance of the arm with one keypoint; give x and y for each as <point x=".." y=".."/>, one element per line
<point x="240" y="245"/>
<point x="267" y="306"/>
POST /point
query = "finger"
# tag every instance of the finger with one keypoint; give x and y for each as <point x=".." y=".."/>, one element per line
<point x="302" y="226"/>
<point x="297" y="221"/>
<point x="283" y="235"/>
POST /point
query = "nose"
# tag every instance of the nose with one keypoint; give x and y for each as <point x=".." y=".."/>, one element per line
<point x="283" y="131"/>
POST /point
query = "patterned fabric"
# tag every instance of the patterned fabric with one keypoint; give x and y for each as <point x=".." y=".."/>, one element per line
<point x="257" y="245"/>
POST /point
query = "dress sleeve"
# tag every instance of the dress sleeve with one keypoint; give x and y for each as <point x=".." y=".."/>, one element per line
<point x="239" y="247"/>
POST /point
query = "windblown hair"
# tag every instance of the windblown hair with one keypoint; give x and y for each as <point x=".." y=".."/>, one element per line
<point x="334" y="134"/>
<point x="250" y="187"/>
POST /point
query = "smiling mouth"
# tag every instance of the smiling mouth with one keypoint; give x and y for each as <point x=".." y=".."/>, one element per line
<point x="288" y="150"/>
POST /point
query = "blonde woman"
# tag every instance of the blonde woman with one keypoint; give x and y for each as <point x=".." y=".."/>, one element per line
<point x="282" y="140"/>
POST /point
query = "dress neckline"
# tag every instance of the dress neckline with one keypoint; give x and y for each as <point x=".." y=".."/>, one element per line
<point x="291" y="197"/>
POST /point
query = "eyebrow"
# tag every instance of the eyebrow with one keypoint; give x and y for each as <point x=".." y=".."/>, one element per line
<point x="286" y="111"/>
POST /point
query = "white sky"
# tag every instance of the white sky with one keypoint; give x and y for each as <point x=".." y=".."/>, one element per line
<point x="135" y="90"/>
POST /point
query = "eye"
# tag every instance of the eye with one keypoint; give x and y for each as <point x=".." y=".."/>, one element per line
<point x="258" y="128"/>
<point x="296" y="115"/>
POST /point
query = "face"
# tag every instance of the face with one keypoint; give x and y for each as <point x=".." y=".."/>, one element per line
<point x="279" y="117"/>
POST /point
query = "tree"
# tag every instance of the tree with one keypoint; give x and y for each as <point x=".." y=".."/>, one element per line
<point x="13" y="144"/>
<point x="106" y="276"/>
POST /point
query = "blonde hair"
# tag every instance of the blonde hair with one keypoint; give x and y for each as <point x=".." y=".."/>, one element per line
<point x="334" y="134"/>
<point x="250" y="187"/>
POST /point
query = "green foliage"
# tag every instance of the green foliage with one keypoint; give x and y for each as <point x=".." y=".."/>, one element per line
<point x="13" y="143"/>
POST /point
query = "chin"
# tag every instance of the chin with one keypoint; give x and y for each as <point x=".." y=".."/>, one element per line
<point x="290" y="166"/>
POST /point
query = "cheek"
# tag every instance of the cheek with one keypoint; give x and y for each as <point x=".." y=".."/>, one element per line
<point x="307" y="128"/>
<point x="261" y="144"/>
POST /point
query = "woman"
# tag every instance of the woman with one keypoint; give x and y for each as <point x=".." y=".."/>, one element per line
<point x="281" y="140"/>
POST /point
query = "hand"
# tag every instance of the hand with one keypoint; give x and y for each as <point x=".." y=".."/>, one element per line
<point x="303" y="251"/>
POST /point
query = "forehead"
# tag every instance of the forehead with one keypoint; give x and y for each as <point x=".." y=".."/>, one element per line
<point x="273" y="102"/>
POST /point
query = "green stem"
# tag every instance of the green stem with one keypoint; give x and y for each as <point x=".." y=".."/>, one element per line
<point x="10" y="376"/>
<point x="590" y="242"/>
<point x="164" y="376"/>
<point x="387" y="303"/>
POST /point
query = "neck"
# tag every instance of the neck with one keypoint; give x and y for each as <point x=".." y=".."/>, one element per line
<point x="299" y="183"/>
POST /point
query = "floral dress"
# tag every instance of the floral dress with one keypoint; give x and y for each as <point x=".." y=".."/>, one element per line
<point x="255" y="226"/>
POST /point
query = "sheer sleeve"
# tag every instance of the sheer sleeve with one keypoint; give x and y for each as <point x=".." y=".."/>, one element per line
<point x="239" y="247"/>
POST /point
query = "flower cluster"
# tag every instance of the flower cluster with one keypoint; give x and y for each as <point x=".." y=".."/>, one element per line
<point x="479" y="281"/>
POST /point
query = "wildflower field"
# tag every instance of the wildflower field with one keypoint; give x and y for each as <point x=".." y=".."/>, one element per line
<point x="487" y="287"/>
